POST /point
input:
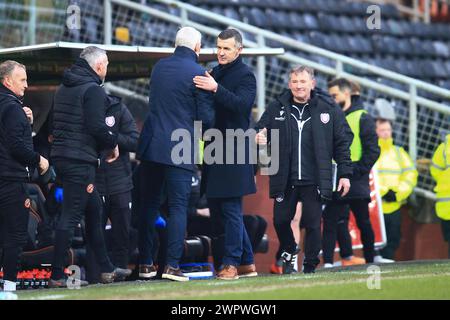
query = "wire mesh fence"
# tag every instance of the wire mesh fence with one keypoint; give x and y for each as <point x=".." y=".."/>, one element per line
<point x="21" y="24"/>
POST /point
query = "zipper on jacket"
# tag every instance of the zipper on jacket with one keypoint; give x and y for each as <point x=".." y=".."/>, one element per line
<point x="300" y="124"/>
<point x="28" y="173"/>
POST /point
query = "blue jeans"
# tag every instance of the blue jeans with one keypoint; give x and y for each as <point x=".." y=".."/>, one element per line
<point x="177" y="181"/>
<point x="227" y="221"/>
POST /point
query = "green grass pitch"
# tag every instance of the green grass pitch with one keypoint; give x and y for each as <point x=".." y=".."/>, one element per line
<point x="418" y="280"/>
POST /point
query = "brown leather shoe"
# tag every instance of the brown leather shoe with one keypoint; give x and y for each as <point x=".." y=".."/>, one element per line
<point x="247" y="270"/>
<point x="174" y="274"/>
<point x="147" y="271"/>
<point x="228" y="272"/>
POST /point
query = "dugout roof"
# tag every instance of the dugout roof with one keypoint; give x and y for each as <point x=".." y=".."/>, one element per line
<point x="46" y="62"/>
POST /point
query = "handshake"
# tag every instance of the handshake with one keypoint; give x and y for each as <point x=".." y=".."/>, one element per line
<point x="261" y="137"/>
<point x="43" y="165"/>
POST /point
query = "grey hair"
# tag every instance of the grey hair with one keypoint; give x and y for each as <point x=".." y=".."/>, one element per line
<point x="300" y="69"/>
<point x="92" y="54"/>
<point x="188" y="37"/>
<point x="7" y="67"/>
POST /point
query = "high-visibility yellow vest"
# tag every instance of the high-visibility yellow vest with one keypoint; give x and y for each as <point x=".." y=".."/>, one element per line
<point x="356" y="146"/>
<point x="201" y="149"/>
<point x="396" y="172"/>
<point x="440" y="171"/>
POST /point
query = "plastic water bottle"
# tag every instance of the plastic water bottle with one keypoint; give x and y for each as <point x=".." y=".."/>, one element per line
<point x="6" y="295"/>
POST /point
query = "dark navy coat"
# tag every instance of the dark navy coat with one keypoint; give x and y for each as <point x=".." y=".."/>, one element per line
<point x="233" y="104"/>
<point x="175" y="103"/>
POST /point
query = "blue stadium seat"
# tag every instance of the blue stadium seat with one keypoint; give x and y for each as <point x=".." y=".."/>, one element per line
<point x="359" y="26"/>
<point x="309" y="6"/>
<point x="389" y="11"/>
<point x="441" y="48"/>
<point x="418" y="47"/>
<point x="447" y="66"/>
<point x="355" y="45"/>
<point x="232" y="13"/>
<point x="200" y="19"/>
<point x="445" y="84"/>
<point x="323" y="60"/>
<point x="288" y="4"/>
<point x="394" y="27"/>
<point x="278" y="19"/>
<point x="301" y="36"/>
<point x="358" y="9"/>
<point x="327" y="22"/>
<point x="332" y="8"/>
<point x="258" y="18"/>
<point x="337" y="43"/>
<point x="248" y="36"/>
<point x="405" y="47"/>
<point x="429" y="49"/>
<point x="310" y="21"/>
<point x="317" y="38"/>
<point x="346" y="24"/>
<point x="443" y="30"/>
<point x="327" y="6"/>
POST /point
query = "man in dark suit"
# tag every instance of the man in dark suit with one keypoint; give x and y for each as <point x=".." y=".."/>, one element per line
<point x="175" y="103"/>
<point x="234" y="88"/>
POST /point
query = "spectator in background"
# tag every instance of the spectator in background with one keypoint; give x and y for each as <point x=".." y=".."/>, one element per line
<point x="397" y="178"/>
<point x="175" y="103"/>
<point x="312" y="132"/>
<point x="17" y="161"/>
<point x="364" y="152"/>
<point x="79" y="135"/>
<point x="234" y="86"/>
<point x="440" y="171"/>
<point x="114" y="181"/>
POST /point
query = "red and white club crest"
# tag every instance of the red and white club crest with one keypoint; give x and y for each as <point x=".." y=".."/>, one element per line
<point x="325" y="117"/>
<point x="110" y="121"/>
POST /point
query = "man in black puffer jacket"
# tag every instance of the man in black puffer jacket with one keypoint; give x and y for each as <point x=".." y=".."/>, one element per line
<point x="312" y="132"/>
<point x="79" y="135"/>
<point x="17" y="161"/>
<point x="114" y="180"/>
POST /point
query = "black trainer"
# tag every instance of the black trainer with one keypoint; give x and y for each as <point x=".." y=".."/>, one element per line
<point x="118" y="274"/>
<point x="62" y="283"/>
<point x="288" y="261"/>
<point x="308" y="268"/>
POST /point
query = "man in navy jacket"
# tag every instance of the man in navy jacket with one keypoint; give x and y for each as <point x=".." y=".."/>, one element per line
<point x="175" y="103"/>
<point x="234" y="87"/>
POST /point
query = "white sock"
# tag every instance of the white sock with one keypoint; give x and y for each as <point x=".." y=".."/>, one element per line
<point x="9" y="285"/>
<point x="295" y="262"/>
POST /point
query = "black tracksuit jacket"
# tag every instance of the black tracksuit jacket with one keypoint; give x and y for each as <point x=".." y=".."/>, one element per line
<point x="17" y="157"/>
<point x="332" y="137"/>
